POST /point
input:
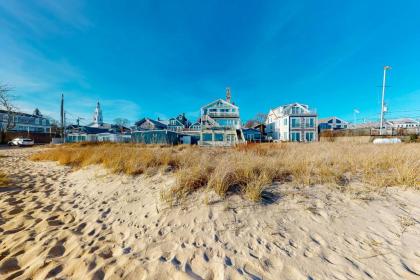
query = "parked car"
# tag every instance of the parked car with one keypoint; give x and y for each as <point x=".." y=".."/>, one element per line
<point x="21" y="142"/>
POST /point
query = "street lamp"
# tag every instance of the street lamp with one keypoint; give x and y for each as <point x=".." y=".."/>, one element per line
<point x="383" y="97"/>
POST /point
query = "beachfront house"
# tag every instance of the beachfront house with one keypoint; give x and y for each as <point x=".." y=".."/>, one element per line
<point x="292" y="122"/>
<point x="402" y="123"/>
<point x="252" y="134"/>
<point x="332" y="123"/>
<point x="150" y="124"/>
<point x="179" y="123"/>
<point x="220" y="123"/>
<point x="23" y="122"/>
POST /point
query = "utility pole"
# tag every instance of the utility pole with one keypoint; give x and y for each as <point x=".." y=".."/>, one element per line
<point x="383" y="97"/>
<point x="62" y="115"/>
<point x="64" y="122"/>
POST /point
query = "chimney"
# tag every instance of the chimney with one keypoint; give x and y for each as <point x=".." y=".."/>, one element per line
<point x="228" y="95"/>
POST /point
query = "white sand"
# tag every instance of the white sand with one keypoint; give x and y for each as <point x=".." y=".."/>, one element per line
<point x="90" y="224"/>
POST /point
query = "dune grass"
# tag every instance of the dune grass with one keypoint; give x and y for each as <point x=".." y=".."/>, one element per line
<point x="248" y="169"/>
<point x="4" y="180"/>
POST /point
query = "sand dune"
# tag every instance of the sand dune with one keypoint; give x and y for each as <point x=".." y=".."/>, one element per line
<point x="89" y="224"/>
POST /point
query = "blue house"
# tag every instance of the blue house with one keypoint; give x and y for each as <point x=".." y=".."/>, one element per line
<point x="179" y="123"/>
<point x="332" y="123"/>
<point x="252" y="134"/>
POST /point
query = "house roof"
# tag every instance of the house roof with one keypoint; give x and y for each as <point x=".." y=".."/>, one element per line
<point x="286" y="106"/>
<point x="324" y="120"/>
<point x="23" y="114"/>
<point x="284" y="109"/>
<point x="158" y="124"/>
<point x="219" y="100"/>
<point x="403" y="121"/>
<point x="88" y="129"/>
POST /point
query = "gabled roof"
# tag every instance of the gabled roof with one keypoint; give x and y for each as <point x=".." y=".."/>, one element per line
<point x="87" y="129"/>
<point x="158" y="124"/>
<point x="219" y="100"/>
<point x="196" y="123"/>
<point x="324" y="120"/>
<point x="178" y="122"/>
<point x="403" y="121"/>
<point x="22" y="114"/>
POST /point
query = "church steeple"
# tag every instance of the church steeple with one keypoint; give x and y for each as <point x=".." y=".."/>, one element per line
<point x="97" y="116"/>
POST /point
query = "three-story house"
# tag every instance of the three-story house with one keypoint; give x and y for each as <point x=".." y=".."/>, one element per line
<point x="220" y="123"/>
<point x="292" y="122"/>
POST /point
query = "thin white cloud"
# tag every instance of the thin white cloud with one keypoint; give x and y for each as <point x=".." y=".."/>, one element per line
<point x="45" y="16"/>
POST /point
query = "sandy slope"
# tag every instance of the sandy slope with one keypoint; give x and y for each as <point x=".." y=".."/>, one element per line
<point x="89" y="224"/>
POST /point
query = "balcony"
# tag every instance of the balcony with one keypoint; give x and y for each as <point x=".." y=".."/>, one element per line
<point x="312" y="112"/>
<point x="223" y="114"/>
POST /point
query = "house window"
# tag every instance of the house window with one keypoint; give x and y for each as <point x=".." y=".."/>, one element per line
<point x="285" y="121"/>
<point x="218" y="137"/>
<point x="230" y="137"/>
<point x="295" y="136"/>
<point x="309" y="122"/>
<point x="309" y="136"/>
<point x="295" y="122"/>
<point x="207" y="137"/>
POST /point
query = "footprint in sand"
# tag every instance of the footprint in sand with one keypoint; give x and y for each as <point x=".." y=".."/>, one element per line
<point x="55" y="271"/>
<point x="411" y="265"/>
<point x="56" y="251"/>
<point x="9" y="265"/>
<point x="98" y="275"/>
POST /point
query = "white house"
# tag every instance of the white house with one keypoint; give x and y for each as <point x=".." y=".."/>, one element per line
<point x="402" y="123"/>
<point x="292" y="122"/>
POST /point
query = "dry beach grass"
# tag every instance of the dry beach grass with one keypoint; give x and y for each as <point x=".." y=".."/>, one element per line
<point x="249" y="168"/>
<point x="3" y="179"/>
<point x="92" y="219"/>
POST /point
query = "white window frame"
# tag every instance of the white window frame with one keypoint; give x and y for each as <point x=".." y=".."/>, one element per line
<point x="294" y="139"/>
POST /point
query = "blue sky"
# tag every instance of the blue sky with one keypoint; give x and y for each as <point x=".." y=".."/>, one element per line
<point x="160" y="58"/>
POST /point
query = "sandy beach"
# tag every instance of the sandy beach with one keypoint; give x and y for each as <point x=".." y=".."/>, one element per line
<point x="56" y="222"/>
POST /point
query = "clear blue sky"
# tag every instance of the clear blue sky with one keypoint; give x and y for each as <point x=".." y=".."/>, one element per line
<point x="160" y="58"/>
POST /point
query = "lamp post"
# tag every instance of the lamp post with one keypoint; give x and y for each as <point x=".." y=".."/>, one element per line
<point x="383" y="97"/>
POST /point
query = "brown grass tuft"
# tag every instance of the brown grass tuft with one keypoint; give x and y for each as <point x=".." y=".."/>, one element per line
<point x="248" y="169"/>
<point x="4" y="180"/>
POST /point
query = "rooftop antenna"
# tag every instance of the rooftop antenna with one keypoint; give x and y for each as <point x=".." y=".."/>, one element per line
<point x="228" y="95"/>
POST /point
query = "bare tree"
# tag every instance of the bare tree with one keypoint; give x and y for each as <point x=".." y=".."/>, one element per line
<point x="6" y="104"/>
<point x="258" y="119"/>
<point x="122" y="123"/>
